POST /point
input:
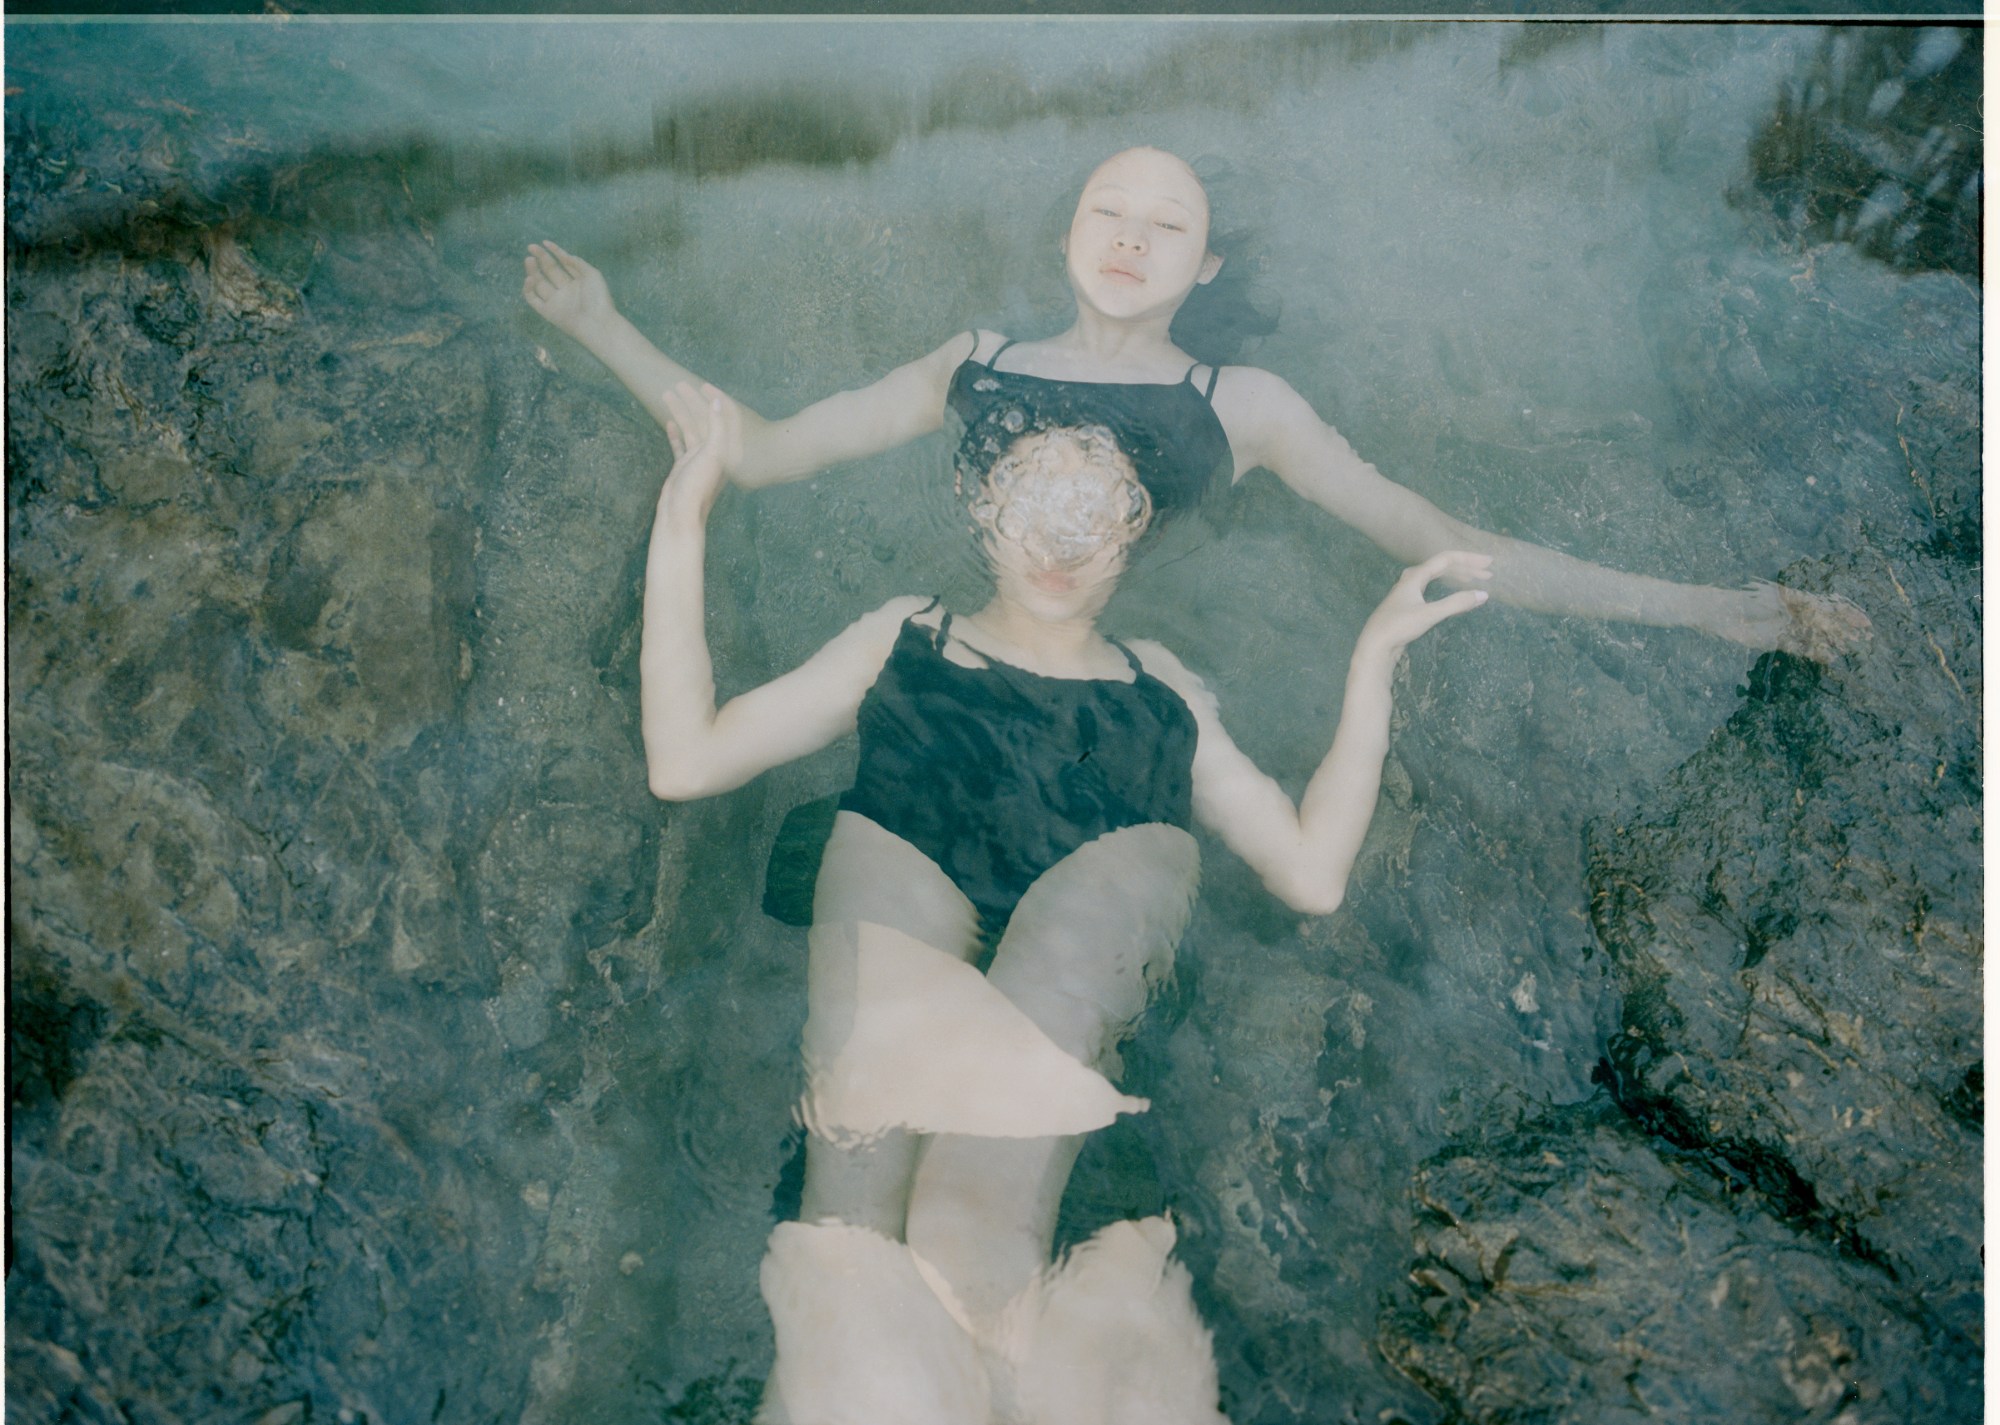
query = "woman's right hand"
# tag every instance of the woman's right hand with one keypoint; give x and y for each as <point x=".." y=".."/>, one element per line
<point x="704" y="427"/>
<point x="567" y="291"/>
<point x="1405" y="615"/>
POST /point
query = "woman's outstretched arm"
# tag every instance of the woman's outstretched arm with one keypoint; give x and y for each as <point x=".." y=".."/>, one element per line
<point x="693" y="748"/>
<point x="1277" y="428"/>
<point x="1304" y="853"/>
<point x="574" y="297"/>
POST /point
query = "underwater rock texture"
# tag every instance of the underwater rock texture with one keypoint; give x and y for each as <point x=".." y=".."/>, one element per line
<point x="240" y="619"/>
<point x="1805" y="1004"/>
<point x="1776" y="1214"/>
<point x="1774" y="1209"/>
<point x="1571" y="1270"/>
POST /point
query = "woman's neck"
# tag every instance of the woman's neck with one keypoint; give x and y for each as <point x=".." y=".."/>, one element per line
<point x="1055" y="641"/>
<point x="1134" y="345"/>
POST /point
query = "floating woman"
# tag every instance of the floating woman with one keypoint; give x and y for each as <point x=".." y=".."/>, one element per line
<point x="1024" y="784"/>
<point x="1136" y="248"/>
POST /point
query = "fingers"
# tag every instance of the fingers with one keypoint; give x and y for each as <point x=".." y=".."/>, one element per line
<point x="699" y="417"/>
<point x="542" y="279"/>
<point x="1406" y="614"/>
<point x="1431" y="568"/>
<point x="550" y="265"/>
<point x="574" y="266"/>
<point x="1458" y="565"/>
<point x="725" y="416"/>
<point x="681" y="422"/>
<point x="677" y="426"/>
<point x="1465" y="601"/>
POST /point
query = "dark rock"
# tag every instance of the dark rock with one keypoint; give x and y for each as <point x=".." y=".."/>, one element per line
<point x="1862" y="147"/>
<point x="1573" y="1270"/>
<point x="1792" y="1132"/>
<point x="1794" y="925"/>
<point x="215" y="1230"/>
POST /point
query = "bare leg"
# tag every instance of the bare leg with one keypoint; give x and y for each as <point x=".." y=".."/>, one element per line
<point x="868" y="875"/>
<point x="1080" y="957"/>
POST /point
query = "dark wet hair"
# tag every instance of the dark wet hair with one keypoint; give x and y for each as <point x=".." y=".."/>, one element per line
<point x="1222" y="319"/>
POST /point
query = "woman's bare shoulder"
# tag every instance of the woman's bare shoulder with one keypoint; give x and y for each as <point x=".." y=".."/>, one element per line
<point x="895" y="612"/>
<point x="1163" y="663"/>
<point x="1251" y="389"/>
<point x="981" y="347"/>
<point x="875" y="631"/>
<point x="1264" y="418"/>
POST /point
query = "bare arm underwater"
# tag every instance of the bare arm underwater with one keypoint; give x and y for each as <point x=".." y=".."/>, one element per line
<point x="907" y="403"/>
<point x="1269" y="424"/>
<point x="694" y="749"/>
<point x="1305" y="853"/>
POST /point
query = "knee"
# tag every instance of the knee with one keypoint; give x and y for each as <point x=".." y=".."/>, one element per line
<point x="1086" y="1026"/>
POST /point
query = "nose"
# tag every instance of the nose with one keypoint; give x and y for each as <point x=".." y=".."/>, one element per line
<point x="1131" y="237"/>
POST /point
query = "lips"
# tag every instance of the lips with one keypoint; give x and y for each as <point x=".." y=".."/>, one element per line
<point x="1120" y="274"/>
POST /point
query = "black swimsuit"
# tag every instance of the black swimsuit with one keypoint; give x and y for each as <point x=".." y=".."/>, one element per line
<point x="1168" y="429"/>
<point x="997" y="773"/>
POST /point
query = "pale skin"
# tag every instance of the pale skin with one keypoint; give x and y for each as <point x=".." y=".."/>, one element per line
<point x="983" y="1209"/>
<point x="1135" y="249"/>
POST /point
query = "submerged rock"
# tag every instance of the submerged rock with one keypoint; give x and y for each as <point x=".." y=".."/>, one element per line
<point x="1570" y="1270"/>
<point x="1795" y="929"/>
<point x="1773" y="1214"/>
<point x="1864" y="146"/>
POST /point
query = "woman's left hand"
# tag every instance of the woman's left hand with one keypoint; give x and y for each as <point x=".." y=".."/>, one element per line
<point x="704" y="425"/>
<point x="1405" y="615"/>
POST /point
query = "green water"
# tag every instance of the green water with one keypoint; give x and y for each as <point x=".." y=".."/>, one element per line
<point x="327" y="796"/>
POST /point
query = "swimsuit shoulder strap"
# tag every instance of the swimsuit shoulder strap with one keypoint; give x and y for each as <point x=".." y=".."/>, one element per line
<point x="942" y="635"/>
<point x="1208" y="391"/>
<point x="972" y="356"/>
<point x="1138" y="668"/>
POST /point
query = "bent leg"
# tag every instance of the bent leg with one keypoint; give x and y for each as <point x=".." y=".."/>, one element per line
<point x="1080" y="957"/>
<point x="936" y="1048"/>
<point x="868" y="876"/>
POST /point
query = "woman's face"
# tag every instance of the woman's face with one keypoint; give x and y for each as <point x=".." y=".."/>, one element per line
<point x="1138" y="243"/>
<point x="1058" y="514"/>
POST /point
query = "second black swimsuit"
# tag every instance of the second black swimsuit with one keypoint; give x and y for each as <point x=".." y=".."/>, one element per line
<point x="996" y="773"/>
<point x="1169" y="430"/>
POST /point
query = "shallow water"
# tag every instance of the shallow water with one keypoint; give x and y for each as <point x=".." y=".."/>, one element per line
<point x="349" y="944"/>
